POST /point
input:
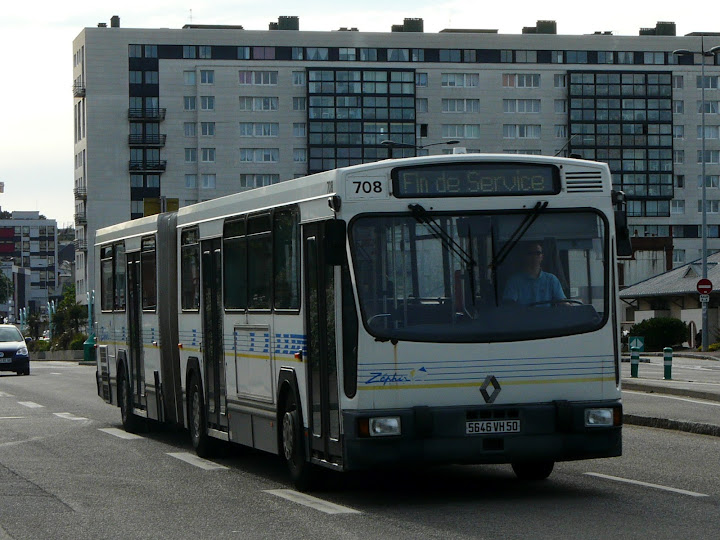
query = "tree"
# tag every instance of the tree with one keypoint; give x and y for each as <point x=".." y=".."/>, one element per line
<point x="6" y="288"/>
<point x="69" y="318"/>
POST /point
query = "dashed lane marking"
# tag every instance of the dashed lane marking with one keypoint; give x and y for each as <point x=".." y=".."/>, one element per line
<point x="311" y="502"/>
<point x="30" y="404"/>
<point x="646" y="484"/>
<point x="11" y="417"/>
<point x="196" y="461"/>
<point x="120" y="434"/>
<point x="69" y="416"/>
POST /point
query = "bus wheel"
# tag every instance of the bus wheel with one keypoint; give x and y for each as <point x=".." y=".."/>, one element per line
<point x="130" y="422"/>
<point x="533" y="470"/>
<point x="198" y="425"/>
<point x="293" y="448"/>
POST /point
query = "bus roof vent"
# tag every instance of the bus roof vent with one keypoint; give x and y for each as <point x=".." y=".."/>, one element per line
<point x="583" y="181"/>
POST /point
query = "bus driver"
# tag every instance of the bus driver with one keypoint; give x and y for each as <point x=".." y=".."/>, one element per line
<point x="532" y="286"/>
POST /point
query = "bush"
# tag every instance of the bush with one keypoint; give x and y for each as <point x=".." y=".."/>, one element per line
<point x="77" y="342"/>
<point x="661" y="332"/>
<point x="39" y="345"/>
<point x="712" y="347"/>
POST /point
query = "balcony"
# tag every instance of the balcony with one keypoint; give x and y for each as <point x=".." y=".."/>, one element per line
<point x="80" y="245"/>
<point x="146" y="114"/>
<point x="80" y="218"/>
<point x="140" y="165"/>
<point x="147" y="140"/>
<point x="79" y="90"/>
<point x="80" y="193"/>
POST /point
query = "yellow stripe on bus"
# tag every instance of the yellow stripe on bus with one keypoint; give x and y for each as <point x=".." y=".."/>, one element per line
<point x="398" y="386"/>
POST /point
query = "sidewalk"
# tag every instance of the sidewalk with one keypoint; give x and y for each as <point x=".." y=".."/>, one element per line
<point x="700" y="380"/>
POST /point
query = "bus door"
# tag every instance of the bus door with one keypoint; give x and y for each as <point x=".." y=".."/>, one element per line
<point x="321" y="361"/>
<point x="135" y="344"/>
<point x="212" y="345"/>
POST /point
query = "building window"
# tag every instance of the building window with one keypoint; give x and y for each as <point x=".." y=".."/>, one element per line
<point x="189" y="103"/>
<point x="561" y="131"/>
<point x="521" y="105"/>
<point x="243" y="53"/>
<point x="207" y="103"/>
<point x="678" y="106"/>
<point x="207" y="129"/>
<point x="677" y="206"/>
<point x="656" y="58"/>
<point x="679" y="180"/>
<point x="711" y="181"/>
<point x="190" y="129"/>
<point x="711" y="82"/>
<point x="135" y="51"/>
<point x="461" y="131"/>
<point x="299" y="129"/>
<point x="136" y="180"/>
<point x="205" y="51"/>
<point x="300" y="155"/>
<point x="191" y="155"/>
<point x="460" y="105"/>
<point x="299" y="104"/>
<point x="711" y="106"/>
<point x="678" y="257"/>
<point x="521" y="131"/>
<point x="678" y="82"/>
<point x="191" y="181"/>
<point x="135" y="77"/>
<point x="678" y="157"/>
<point x="557" y="57"/>
<point x="561" y="106"/>
<point x="711" y="132"/>
<point x="317" y="53"/>
<point x="189" y="78"/>
<point x="208" y="181"/>
<point x="421" y="105"/>
<point x="347" y="53"/>
<point x="450" y="55"/>
<point x="521" y="80"/>
<point x="368" y="55"/>
<point x="259" y="129"/>
<point x="189" y="51"/>
<point x="460" y="79"/>
<point x="208" y="155"/>
<point x="678" y="132"/>
<point x="417" y="55"/>
<point x="711" y="206"/>
<point x="605" y="57"/>
<point x="626" y="57"/>
<point x="298" y="78"/>
<point x="401" y="55"/>
<point x="711" y="156"/>
<point x="421" y="79"/>
<point x="207" y="76"/>
<point x="298" y="53"/>
<point x="259" y="155"/>
<point x="576" y="57"/>
<point x="151" y="77"/>
<point x="560" y="80"/>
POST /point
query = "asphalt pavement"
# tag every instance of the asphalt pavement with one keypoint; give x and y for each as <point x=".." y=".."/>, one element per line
<point x="692" y="393"/>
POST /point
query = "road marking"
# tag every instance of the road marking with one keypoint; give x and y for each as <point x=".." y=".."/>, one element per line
<point x="196" y="461"/>
<point x="30" y="404"/>
<point x="646" y="484"/>
<point x="69" y="416"/>
<point x="312" y="502"/>
<point x="120" y="434"/>
<point x="10" y="417"/>
<point x="696" y="401"/>
<point x="5" y="394"/>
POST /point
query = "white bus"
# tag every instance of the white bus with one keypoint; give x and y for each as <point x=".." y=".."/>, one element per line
<point x="384" y="314"/>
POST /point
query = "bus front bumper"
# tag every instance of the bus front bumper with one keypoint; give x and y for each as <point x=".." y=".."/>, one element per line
<point x="555" y="431"/>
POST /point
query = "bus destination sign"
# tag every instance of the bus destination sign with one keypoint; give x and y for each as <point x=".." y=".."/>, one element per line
<point x="476" y="179"/>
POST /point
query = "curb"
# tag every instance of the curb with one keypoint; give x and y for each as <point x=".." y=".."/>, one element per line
<point x="683" y="392"/>
<point x="676" y="425"/>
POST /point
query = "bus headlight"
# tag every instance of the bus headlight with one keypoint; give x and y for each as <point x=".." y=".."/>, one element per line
<point x="384" y="426"/>
<point x="600" y="417"/>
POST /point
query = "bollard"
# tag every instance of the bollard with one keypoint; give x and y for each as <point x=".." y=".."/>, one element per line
<point x="667" y="361"/>
<point x="634" y="361"/>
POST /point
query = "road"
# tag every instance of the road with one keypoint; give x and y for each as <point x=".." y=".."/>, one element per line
<point x="67" y="471"/>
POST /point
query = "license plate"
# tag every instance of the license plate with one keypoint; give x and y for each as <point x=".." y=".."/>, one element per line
<point x="5" y="360"/>
<point x="481" y="427"/>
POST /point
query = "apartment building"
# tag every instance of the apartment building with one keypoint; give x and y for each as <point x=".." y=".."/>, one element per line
<point x="28" y="250"/>
<point x="169" y="117"/>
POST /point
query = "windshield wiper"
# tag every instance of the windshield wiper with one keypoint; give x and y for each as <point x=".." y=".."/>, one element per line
<point x="421" y="216"/>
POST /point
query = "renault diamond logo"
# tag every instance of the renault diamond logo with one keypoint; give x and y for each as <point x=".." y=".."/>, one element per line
<point x="490" y="380"/>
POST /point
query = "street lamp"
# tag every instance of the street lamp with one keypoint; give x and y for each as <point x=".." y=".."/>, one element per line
<point x="392" y="144"/>
<point x="710" y="52"/>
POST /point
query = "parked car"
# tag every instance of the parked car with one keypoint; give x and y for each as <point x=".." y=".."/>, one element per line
<point x="13" y="350"/>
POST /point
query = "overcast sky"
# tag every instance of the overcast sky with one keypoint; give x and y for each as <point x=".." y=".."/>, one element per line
<point x="36" y="139"/>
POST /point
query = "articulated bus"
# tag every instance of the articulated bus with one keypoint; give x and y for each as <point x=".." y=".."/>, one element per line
<point x="365" y="317"/>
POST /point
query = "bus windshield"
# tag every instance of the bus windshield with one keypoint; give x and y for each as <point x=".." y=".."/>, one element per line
<point x="486" y="277"/>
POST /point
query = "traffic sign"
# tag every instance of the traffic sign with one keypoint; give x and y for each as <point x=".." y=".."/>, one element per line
<point x="704" y="286"/>
<point x="638" y="342"/>
<point x="704" y="298"/>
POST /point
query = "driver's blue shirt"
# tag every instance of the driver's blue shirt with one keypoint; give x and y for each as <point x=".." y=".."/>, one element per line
<point x="525" y="289"/>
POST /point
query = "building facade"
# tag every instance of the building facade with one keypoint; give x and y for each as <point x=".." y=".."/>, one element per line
<point x="166" y="118"/>
<point x="28" y="249"/>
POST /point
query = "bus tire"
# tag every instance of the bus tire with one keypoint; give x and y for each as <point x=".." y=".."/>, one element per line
<point x="533" y="471"/>
<point x="196" y="419"/>
<point x="293" y="447"/>
<point x="131" y="423"/>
